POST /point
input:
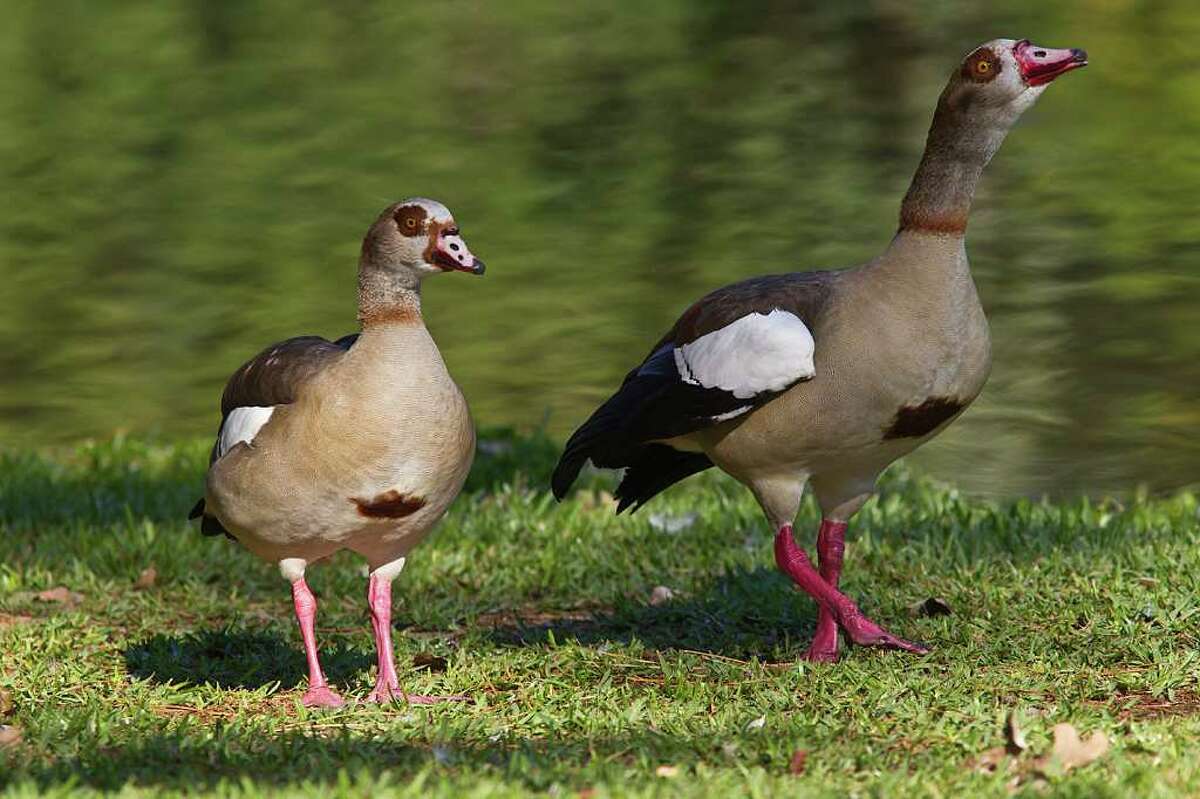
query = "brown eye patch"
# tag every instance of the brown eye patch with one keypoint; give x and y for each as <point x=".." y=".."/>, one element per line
<point x="982" y="66"/>
<point x="410" y="219"/>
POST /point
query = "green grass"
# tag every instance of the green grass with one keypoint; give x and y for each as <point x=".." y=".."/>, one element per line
<point x="1080" y="612"/>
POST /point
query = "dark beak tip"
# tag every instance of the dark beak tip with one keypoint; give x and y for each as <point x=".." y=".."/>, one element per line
<point x="1079" y="54"/>
<point x="478" y="267"/>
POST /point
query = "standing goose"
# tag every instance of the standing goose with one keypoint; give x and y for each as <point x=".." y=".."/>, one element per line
<point x="828" y="377"/>
<point x="359" y="444"/>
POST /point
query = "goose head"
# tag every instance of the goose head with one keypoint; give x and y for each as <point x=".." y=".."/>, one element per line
<point x="986" y="94"/>
<point x="1002" y="78"/>
<point x="418" y="237"/>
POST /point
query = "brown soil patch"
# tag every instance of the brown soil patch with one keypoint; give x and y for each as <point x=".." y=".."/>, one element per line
<point x="1140" y="706"/>
<point x="279" y="704"/>
<point x="529" y="617"/>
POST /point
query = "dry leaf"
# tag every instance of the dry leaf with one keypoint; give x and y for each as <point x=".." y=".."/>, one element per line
<point x="988" y="762"/>
<point x="6" y="703"/>
<point x="1070" y="751"/>
<point x="934" y="606"/>
<point x="757" y="724"/>
<point x="9" y="736"/>
<point x="494" y="447"/>
<point x="59" y="594"/>
<point x="661" y="595"/>
<point x="668" y="523"/>
<point x="666" y="771"/>
<point x="586" y="793"/>
<point x="602" y="500"/>
<point x="798" y="762"/>
<point x="146" y="579"/>
<point x="1014" y="735"/>
<point x="6" y="619"/>
<point x="428" y="662"/>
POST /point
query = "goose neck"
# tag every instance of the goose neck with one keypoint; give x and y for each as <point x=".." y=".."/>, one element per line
<point x="958" y="147"/>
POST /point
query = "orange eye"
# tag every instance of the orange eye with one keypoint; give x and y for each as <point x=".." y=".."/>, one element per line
<point x="410" y="219"/>
<point x="982" y="66"/>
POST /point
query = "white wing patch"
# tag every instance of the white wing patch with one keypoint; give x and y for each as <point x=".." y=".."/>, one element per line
<point x="242" y="424"/>
<point x="757" y="353"/>
<point x="735" y="413"/>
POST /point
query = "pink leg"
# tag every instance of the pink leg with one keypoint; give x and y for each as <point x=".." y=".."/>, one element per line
<point x="387" y="685"/>
<point x="795" y="563"/>
<point x="379" y="599"/>
<point x="319" y="694"/>
<point x="830" y="548"/>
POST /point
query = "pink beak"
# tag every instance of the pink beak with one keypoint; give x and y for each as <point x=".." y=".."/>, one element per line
<point x="451" y="253"/>
<point x="1040" y="65"/>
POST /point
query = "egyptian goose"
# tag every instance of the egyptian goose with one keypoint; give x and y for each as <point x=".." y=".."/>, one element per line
<point x="360" y="443"/>
<point x="828" y="377"/>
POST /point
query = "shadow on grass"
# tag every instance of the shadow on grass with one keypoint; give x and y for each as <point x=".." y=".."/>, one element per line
<point x="185" y="761"/>
<point x="743" y="614"/>
<point x="234" y="658"/>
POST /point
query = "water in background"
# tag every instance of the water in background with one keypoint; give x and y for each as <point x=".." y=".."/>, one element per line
<point x="185" y="182"/>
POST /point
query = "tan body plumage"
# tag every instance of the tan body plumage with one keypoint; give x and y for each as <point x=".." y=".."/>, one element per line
<point x="911" y="316"/>
<point x="358" y="444"/>
<point x="384" y="418"/>
<point x="826" y="378"/>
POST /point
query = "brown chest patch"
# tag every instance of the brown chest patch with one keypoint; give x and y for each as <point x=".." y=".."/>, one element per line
<point x="917" y="421"/>
<point x="389" y="505"/>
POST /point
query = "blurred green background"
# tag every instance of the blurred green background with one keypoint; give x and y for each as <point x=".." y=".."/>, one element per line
<point x="185" y="182"/>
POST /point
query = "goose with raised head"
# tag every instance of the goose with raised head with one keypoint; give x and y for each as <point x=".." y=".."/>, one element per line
<point x="826" y="378"/>
<point x="360" y="443"/>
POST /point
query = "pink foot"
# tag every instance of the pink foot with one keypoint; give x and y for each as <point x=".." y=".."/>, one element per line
<point x="822" y="651"/>
<point x="820" y="656"/>
<point x="865" y="632"/>
<point x="794" y="562"/>
<point x="321" y="696"/>
<point x="420" y="699"/>
<point x="385" y="695"/>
